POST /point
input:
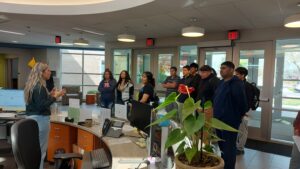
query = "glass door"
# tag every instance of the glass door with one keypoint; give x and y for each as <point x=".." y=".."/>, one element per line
<point x="157" y="61"/>
<point x="214" y="57"/>
<point x="286" y="95"/>
<point x="258" y="59"/>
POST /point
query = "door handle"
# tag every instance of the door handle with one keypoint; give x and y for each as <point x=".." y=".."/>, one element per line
<point x="264" y="99"/>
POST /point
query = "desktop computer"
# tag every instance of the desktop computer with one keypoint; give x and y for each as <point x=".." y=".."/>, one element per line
<point x="12" y="100"/>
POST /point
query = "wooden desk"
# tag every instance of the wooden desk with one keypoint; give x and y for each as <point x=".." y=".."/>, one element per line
<point x="90" y="138"/>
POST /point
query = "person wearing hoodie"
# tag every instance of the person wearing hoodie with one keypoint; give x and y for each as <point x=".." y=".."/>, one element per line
<point x="107" y="89"/>
<point x="230" y="106"/>
<point x="207" y="85"/>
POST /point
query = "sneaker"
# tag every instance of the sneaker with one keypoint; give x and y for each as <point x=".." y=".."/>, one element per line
<point x="240" y="152"/>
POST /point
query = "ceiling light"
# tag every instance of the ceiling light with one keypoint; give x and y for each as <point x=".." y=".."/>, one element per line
<point x="126" y="38"/>
<point x="87" y="31"/>
<point x="292" y="21"/>
<point x="192" y="31"/>
<point x="14" y="41"/>
<point x="290" y="46"/>
<point x="11" y="32"/>
<point x="65" y="44"/>
<point x="81" y="42"/>
<point x="298" y="4"/>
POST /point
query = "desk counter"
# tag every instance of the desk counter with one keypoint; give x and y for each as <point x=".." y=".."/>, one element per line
<point x="123" y="150"/>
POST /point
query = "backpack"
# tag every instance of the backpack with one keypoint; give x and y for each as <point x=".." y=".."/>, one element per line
<point x="255" y="99"/>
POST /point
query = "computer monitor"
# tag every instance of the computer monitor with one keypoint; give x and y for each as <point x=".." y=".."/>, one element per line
<point x="140" y="116"/>
<point x="12" y="100"/>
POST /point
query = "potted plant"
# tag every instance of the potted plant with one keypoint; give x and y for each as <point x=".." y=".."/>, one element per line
<point x="195" y="133"/>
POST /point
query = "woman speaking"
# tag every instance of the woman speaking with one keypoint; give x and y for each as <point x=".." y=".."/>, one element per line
<point x="38" y="101"/>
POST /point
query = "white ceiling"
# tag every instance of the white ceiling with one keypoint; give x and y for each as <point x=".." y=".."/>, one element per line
<point x="161" y="18"/>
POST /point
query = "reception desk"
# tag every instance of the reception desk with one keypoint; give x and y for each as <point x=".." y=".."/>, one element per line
<point x="123" y="152"/>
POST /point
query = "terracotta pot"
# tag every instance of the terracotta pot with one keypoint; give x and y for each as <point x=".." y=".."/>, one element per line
<point x="180" y="165"/>
<point x="90" y="99"/>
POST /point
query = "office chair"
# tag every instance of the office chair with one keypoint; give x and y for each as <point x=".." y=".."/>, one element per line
<point x="26" y="146"/>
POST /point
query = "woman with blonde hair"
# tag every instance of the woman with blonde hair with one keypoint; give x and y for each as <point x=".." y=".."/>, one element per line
<point x="38" y="101"/>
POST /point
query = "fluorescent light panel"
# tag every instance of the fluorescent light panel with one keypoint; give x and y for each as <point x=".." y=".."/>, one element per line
<point x="12" y="32"/>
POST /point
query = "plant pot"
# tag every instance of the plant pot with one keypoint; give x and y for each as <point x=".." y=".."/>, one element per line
<point x="90" y="99"/>
<point x="180" y="165"/>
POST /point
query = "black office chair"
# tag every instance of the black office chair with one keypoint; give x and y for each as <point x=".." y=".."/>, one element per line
<point x="26" y="146"/>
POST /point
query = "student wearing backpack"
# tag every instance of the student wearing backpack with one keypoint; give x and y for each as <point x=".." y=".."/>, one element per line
<point x="241" y="73"/>
<point x="230" y="106"/>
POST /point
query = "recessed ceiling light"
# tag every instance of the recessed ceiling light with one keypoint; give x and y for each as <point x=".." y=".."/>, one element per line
<point x="126" y="38"/>
<point x="192" y="31"/>
<point x="12" y="32"/>
<point x="290" y="46"/>
<point x="81" y="42"/>
<point x="292" y="21"/>
<point x="87" y="31"/>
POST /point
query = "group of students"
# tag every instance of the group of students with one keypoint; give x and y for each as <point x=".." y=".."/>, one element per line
<point x="120" y="92"/>
<point x="232" y="97"/>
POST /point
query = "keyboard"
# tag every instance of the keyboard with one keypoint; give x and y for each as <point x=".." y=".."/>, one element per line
<point x="99" y="159"/>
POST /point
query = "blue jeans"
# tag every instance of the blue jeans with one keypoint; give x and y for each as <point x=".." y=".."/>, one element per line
<point x="44" y="129"/>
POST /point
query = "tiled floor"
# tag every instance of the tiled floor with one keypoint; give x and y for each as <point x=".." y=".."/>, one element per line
<point x="253" y="159"/>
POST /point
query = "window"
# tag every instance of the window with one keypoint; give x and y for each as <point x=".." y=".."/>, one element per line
<point x="188" y="55"/>
<point x="164" y="65"/>
<point x="215" y="59"/>
<point x="121" y="61"/>
<point x="82" y="68"/>
<point x="143" y="64"/>
<point x="286" y="95"/>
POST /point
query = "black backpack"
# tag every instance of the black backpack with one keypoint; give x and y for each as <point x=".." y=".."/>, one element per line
<point x="256" y="94"/>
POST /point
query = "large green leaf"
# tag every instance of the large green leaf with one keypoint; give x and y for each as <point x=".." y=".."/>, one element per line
<point x="199" y="122"/>
<point x="169" y="100"/>
<point x="190" y="153"/>
<point x="174" y="137"/>
<point x="165" y="117"/>
<point x="180" y="148"/>
<point x="198" y="104"/>
<point x="189" y="125"/>
<point x="215" y="123"/>
<point x="188" y="107"/>
<point x="208" y="104"/>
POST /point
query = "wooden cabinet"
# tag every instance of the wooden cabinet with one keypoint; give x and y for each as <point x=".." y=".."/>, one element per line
<point x="85" y="140"/>
<point x="60" y="137"/>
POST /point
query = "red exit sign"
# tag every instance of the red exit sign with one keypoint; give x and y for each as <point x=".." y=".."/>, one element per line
<point x="233" y="35"/>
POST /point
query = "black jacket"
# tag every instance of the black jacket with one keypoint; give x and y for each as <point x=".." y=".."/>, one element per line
<point x="206" y="88"/>
<point x="40" y="101"/>
<point x="195" y="80"/>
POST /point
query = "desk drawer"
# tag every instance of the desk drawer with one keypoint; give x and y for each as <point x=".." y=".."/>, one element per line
<point x="85" y="140"/>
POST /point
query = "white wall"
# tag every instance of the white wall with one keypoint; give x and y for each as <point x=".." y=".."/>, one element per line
<point x="25" y="55"/>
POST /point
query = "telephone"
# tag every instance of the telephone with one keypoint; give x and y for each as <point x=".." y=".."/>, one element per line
<point x="112" y="128"/>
